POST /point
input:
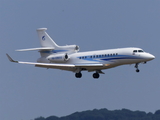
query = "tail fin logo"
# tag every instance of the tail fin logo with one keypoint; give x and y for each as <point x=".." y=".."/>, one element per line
<point x="43" y="37"/>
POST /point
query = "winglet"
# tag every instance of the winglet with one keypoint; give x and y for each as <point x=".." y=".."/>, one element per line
<point x="10" y="59"/>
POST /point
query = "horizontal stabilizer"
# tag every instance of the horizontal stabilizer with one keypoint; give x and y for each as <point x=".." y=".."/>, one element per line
<point x="40" y="49"/>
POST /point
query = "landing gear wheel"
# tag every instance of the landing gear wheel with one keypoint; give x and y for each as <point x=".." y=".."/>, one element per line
<point x="137" y="70"/>
<point x="95" y="75"/>
<point x="78" y="75"/>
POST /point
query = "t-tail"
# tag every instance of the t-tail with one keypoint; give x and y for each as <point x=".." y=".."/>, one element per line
<point x="46" y="41"/>
<point x="49" y="46"/>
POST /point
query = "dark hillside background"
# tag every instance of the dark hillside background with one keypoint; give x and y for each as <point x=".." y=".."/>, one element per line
<point x="104" y="114"/>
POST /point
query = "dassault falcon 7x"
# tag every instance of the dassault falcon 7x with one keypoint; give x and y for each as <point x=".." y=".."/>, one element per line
<point x="68" y="58"/>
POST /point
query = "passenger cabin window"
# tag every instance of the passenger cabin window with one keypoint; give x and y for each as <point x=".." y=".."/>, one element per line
<point x="104" y="55"/>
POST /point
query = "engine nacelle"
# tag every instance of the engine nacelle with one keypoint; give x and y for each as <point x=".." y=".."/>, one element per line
<point x="69" y="48"/>
<point x="61" y="58"/>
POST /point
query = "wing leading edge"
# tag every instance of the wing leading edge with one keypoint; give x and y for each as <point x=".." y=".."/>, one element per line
<point x="69" y="67"/>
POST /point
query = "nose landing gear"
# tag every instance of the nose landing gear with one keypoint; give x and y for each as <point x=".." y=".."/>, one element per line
<point x="136" y="66"/>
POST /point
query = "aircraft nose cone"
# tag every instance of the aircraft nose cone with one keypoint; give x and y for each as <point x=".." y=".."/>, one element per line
<point x="151" y="57"/>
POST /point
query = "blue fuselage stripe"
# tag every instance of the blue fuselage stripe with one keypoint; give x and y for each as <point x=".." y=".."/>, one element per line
<point x="109" y="58"/>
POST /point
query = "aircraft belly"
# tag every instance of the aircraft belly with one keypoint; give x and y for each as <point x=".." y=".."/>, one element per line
<point x="129" y="61"/>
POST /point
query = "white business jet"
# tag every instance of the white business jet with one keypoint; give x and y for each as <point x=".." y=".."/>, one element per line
<point x="68" y="58"/>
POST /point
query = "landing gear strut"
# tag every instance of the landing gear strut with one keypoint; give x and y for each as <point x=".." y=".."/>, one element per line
<point x="78" y="75"/>
<point x="136" y="66"/>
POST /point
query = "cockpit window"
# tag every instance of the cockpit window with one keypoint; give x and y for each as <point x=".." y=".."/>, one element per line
<point x="134" y="51"/>
<point x="137" y="51"/>
<point x="140" y="50"/>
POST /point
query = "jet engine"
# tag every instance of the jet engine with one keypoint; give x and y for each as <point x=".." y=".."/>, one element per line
<point x="60" y="58"/>
<point x="69" y="48"/>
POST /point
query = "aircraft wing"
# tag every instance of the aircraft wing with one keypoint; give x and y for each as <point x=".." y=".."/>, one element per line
<point x="69" y="67"/>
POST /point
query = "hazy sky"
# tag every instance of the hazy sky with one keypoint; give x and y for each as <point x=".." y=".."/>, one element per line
<point x="27" y="92"/>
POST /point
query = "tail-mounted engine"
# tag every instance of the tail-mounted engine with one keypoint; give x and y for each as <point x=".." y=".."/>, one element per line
<point x="60" y="58"/>
<point x="69" y="48"/>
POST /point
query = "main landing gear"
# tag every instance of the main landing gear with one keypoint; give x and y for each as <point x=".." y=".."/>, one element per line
<point x="78" y="75"/>
<point x="95" y="75"/>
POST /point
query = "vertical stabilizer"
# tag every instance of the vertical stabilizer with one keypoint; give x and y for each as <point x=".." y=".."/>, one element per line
<point x="45" y="39"/>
